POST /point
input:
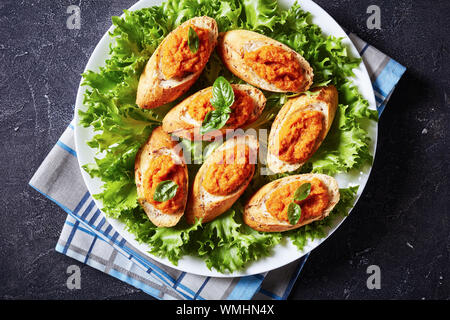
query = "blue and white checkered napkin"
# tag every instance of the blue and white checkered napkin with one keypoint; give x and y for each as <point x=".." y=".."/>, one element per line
<point x="89" y="238"/>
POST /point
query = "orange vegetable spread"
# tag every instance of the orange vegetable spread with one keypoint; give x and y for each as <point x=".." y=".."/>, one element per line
<point x="227" y="175"/>
<point x="277" y="66"/>
<point x="242" y="108"/>
<point x="312" y="206"/>
<point x="160" y="169"/>
<point x="177" y="59"/>
<point x="298" y="136"/>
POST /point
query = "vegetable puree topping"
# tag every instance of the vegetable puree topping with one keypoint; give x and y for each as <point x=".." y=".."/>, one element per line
<point x="160" y="169"/>
<point x="227" y="175"/>
<point x="312" y="206"/>
<point x="277" y="66"/>
<point x="241" y="109"/>
<point x="177" y="59"/>
<point x="298" y="136"/>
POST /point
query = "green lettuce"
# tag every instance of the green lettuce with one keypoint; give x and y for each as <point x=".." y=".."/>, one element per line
<point x="120" y="127"/>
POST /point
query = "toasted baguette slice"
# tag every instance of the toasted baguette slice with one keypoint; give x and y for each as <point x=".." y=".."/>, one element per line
<point x="178" y="121"/>
<point x="326" y="101"/>
<point x="153" y="89"/>
<point x="206" y="206"/>
<point x="257" y="216"/>
<point x="232" y="46"/>
<point x="159" y="143"/>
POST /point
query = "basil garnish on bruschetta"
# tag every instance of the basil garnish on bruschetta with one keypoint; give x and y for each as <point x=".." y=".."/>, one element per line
<point x="222" y="99"/>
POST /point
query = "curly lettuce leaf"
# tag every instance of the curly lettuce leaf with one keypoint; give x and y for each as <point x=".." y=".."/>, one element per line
<point x="261" y="15"/>
<point x="173" y="242"/>
<point x="119" y="197"/>
<point x="228" y="244"/>
<point x="226" y="13"/>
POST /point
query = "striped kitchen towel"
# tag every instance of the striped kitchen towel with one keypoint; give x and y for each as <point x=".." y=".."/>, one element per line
<point x="87" y="236"/>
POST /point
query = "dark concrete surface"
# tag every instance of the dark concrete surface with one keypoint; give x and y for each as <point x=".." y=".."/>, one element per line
<point x="401" y="222"/>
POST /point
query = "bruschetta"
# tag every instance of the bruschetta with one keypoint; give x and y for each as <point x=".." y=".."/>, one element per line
<point x="177" y="62"/>
<point x="222" y="178"/>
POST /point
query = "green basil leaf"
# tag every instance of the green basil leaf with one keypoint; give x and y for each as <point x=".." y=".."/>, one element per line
<point x="214" y="120"/>
<point x="193" y="40"/>
<point x="302" y="192"/>
<point x="222" y="94"/>
<point x="294" y="213"/>
<point x="165" y="190"/>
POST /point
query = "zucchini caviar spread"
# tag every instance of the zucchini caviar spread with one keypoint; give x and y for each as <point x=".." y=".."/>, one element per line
<point x="312" y="206"/>
<point x="277" y="66"/>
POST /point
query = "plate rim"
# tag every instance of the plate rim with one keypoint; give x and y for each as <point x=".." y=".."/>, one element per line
<point x="105" y="40"/>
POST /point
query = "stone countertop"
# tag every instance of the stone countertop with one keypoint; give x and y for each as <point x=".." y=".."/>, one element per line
<point x="401" y="222"/>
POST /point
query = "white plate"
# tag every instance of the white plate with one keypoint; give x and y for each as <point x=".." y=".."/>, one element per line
<point x="282" y="254"/>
